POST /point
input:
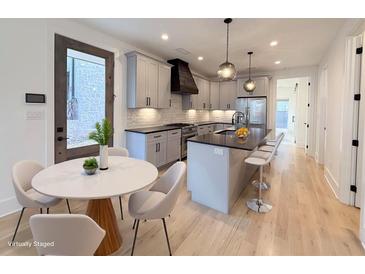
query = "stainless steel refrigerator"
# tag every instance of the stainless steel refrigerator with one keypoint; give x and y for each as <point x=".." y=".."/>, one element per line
<point x="254" y="109"/>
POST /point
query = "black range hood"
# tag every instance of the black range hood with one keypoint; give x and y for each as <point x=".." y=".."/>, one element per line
<point x="182" y="81"/>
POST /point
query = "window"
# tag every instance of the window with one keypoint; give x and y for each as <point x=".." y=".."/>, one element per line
<point x="282" y="107"/>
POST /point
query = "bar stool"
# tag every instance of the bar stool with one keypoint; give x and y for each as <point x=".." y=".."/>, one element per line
<point x="257" y="204"/>
<point x="260" y="159"/>
<point x="261" y="155"/>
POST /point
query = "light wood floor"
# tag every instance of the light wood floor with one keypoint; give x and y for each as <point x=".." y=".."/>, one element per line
<point x="306" y="220"/>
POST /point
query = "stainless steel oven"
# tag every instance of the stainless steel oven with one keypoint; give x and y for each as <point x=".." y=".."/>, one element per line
<point x="187" y="133"/>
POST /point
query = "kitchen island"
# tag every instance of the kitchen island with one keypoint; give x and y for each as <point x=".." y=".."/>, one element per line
<point x="217" y="173"/>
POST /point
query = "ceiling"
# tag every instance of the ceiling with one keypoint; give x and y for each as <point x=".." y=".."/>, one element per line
<point x="302" y="42"/>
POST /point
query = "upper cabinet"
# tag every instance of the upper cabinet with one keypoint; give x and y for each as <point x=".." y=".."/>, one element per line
<point x="214" y="95"/>
<point x="262" y="87"/>
<point x="164" y="86"/>
<point x="227" y="95"/>
<point x="148" y="82"/>
<point x="200" y="100"/>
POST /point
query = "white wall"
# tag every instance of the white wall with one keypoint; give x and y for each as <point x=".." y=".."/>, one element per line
<point x="334" y="62"/>
<point x="27" y="54"/>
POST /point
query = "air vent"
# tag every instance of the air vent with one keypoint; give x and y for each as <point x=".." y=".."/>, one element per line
<point x="183" y="51"/>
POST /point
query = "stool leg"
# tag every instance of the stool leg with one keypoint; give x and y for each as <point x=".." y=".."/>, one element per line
<point x="264" y="185"/>
<point x="257" y="204"/>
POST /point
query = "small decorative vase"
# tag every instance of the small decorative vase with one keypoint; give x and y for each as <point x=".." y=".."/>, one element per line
<point x="89" y="171"/>
<point x="103" y="165"/>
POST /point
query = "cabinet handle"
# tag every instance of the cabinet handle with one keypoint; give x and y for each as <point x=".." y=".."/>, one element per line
<point x="156" y="148"/>
<point x="146" y="101"/>
<point x="203" y="105"/>
<point x="210" y="105"/>
<point x="149" y="101"/>
<point x="157" y="136"/>
<point x="191" y="104"/>
<point x="170" y="102"/>
<point x="173" y="133"/>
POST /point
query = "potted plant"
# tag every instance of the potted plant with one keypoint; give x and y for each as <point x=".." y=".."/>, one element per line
<point x="102" y="135"/>
<point x="90" y="166"/>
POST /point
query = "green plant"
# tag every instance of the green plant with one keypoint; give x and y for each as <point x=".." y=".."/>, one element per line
<point x="103" y="132"/>
<point x="90" y="163"/>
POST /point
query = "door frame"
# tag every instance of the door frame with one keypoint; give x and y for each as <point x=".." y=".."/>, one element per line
<point x="62" y="43"/>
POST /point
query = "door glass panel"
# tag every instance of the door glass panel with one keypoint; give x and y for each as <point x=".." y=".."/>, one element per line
<point x="282" y="107"/>
<point x="85" y="96"/>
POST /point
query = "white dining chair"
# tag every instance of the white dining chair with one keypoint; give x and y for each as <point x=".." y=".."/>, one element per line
<point x="159" y="200"/>
<point x="119" y="151"/>
<point x="65" y="234"/>
<point x="22" y="175"/>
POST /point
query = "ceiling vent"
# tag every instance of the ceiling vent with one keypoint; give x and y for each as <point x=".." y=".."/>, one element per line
<point x="183" y="51"/>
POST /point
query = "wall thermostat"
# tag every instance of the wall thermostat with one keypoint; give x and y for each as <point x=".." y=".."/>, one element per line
<point x="35" y="98"/>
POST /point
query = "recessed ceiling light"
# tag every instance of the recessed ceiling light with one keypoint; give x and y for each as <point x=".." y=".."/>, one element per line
<point x="164" y="36"/>
<point x="200" y="58"/>
<point x="277" y="62"/>
<point x="273" y="43"/>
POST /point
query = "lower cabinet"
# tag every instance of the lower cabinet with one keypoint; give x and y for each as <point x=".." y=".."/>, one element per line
<point x="205" y="129"/>
<point x="157" y="148"/>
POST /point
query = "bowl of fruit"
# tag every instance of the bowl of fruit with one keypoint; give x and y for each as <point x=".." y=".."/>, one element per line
<point x="242" y="132"/>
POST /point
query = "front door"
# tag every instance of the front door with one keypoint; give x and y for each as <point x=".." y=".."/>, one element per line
<point x="84" y="81"/>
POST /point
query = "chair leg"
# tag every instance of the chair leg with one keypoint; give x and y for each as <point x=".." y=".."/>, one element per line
<point x="135" y="237"/>
<point x="47" y="210"/>
<point x="167" y="237"/>
<point x="121" y="207"/>
<point x="68" y="206"/>
<point x="41" y="211"/>
<point x="134" y="223"/>
<point x="17" y="226"/>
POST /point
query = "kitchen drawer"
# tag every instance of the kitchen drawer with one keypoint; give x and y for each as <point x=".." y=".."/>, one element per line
<point x="158" y="136"/>
<point x="172" y="134"/>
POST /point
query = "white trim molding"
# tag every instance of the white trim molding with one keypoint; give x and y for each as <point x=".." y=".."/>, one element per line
<point x="8" y="206"/>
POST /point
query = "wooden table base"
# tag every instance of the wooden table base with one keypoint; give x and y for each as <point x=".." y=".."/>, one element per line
<point x="102" y="212"/>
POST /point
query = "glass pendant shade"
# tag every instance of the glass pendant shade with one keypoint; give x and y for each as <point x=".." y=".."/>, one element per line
<point x="227" y="71"/>
<point x="249" y="85"/>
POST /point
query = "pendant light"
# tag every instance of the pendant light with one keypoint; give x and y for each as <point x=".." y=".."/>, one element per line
<point x="227" y="71"/>
<point x="250" y="84"/>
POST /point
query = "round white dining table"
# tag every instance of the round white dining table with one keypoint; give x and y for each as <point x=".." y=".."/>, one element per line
<point x="124" y="175"/>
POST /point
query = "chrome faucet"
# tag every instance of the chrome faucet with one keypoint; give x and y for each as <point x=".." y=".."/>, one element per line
<point x="237" y="118"/>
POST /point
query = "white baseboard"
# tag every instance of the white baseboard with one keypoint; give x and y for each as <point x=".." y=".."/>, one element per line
<point x="8" y="206"/>
<point x="332" y="182"/>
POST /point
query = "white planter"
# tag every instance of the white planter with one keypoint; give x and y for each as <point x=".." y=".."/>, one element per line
<point x="103" y="165"/>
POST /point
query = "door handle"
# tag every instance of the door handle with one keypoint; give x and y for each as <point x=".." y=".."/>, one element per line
<point x="60" y="138"/>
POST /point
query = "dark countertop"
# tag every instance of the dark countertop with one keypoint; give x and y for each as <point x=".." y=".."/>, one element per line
<point x="228" y="139"/>
<point x="210" y="123"/>
<point x="147" y="130"/>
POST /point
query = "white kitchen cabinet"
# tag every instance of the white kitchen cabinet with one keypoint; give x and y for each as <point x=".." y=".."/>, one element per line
<point x="262" y="87"/>
<point x="148" y="82"/>
<point x="203" y="96"/>
<point x="214" y="95"/>
<point x="164" y="86"/>
<point x="205" y="129"/>
<point x="157" y="148"/>
<point x="198" y="101"/>
<point x="227" y="95"/>
<point x="173" y="152"/>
